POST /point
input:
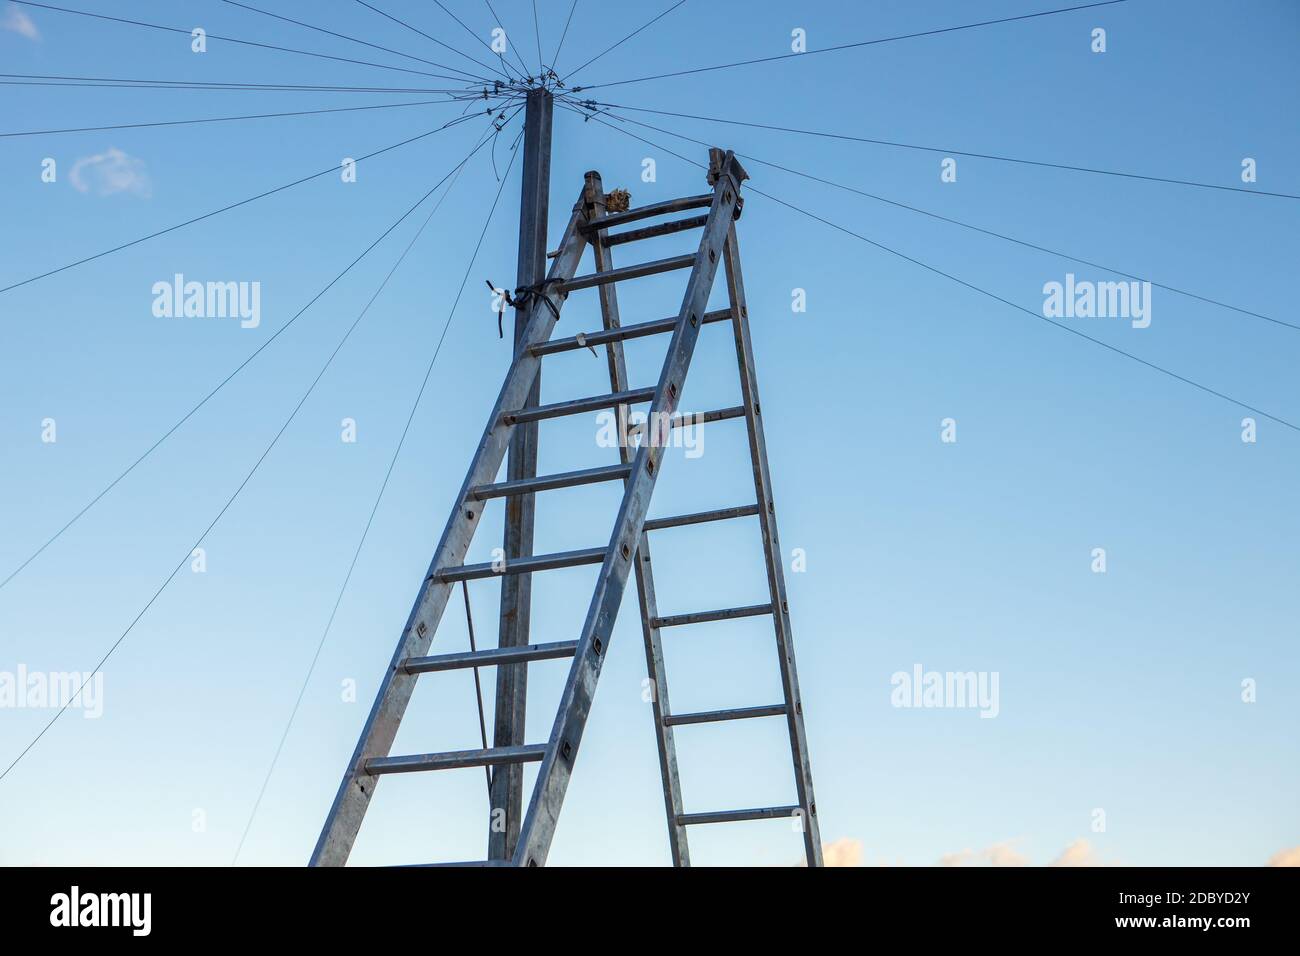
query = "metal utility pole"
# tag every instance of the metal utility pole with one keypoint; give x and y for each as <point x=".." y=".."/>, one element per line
<point x="516" y="589"/>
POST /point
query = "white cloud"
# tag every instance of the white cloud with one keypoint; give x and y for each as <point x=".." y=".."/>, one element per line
<point x="1287" y="857"/>
<point x="1078" y="853"/>
<point x="109" y="172"/>
<point x="843" y="852"/>
<point x="999" y="854"/>
<point x="17" y="21"/>
<point x="848" y="852"/>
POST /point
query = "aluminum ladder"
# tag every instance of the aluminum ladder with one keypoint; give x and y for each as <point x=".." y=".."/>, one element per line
<point x="628" y="549"/>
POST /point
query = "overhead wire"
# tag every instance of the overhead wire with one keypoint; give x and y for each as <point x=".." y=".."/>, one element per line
<point x="555" y="60"/>
<point x="223" y="209"/>
<point x="969" y="285"/>
<point x="537" y="35"/>
<point x="980" y="229"/>
<point x="509" y="42"/>
<point x="504" y="64"/>
<point x="352" y="39"/>
<point x="47" y="79"/>
<point x="415" y="29"/>
<point x="225" y="119"/>
<point x="174" y="428"/>
<point x="850" y="46"/>
<point x="243" y="484"/>
<point x="610" y="49"/>
<point x="949" y="152"/>
<point x="374" y="509"/>
<point x="229" y="39"/>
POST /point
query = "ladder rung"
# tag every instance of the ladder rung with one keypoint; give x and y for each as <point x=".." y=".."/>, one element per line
<point x="489" y="658"/>
<point x="604" y="336"/>
<point x="703" y="418"/>
<point x="541" y="562"/>
<point x="648" y="212"/>
<point x="579" y="405"/>
<point x="452" y="760"/>
<point x="701" y="617"/>
<point x="700" y="517"/>
<point x="566" y="479"/>
<point x="734" y="816"/>
<point x="714" y="716"/>
<point x="651" y="232"/>
<point x="629" y="272"/>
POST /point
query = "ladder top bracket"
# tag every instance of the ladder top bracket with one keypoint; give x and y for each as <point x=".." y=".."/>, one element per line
<point x="724" y="162"/>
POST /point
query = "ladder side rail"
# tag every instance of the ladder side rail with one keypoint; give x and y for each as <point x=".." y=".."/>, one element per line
<point x="645" y="585"/>
<point x="346" y="813"/>
<point x="575" y="703"/>
<point x="772" y="550"/>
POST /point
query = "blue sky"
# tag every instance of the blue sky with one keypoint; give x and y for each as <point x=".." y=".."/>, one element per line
<point x="1119" y="691"/>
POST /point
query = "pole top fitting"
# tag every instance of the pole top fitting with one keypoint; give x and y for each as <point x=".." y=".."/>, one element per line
<point x="724" y="162"/>
<point x="593" y="193"/>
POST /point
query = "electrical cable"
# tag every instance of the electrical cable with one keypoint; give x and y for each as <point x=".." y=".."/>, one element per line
<point x="231" y="500"/>
<point x="350" y="39"/>
<point x="183" y="419"/>
<point x="851" y="46"/>
<point x="992" y="295"/>
<point x="356" y="554"/>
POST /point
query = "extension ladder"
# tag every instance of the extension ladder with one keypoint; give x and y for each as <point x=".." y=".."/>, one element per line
<point x="628" y="549"/>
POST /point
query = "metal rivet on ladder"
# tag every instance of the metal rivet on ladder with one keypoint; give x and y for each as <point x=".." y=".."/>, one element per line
<point x="713" y="256"/>
<point x="566" y="750"/>
<point x="625" y="550"/>
<point x="469" y="515"/>
<point x="420" y="629"/>
<point x="695" y="319"/>
<point x="596" y="646"/>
